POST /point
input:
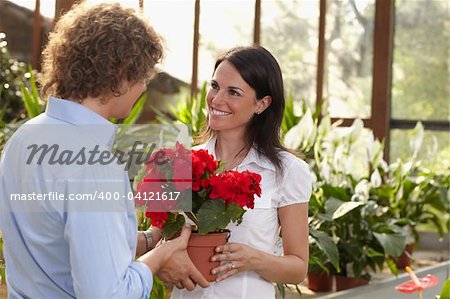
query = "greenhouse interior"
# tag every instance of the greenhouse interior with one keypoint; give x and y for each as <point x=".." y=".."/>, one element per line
<point x="315" y="135"/>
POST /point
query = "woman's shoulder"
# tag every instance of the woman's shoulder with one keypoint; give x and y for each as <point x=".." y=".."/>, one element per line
<point x="296" y="181"/>
<point x="289" y="160"/>
<point x="209" y="145"/>
<point x="198" y="147"/>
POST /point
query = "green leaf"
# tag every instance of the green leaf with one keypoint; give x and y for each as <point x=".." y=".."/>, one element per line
<point x="445" y="293"/>
<point x="235" y="212"/>
<point x="30" y="104"/>
<point x="345" y="208"/>
<point x="212" y="216"/>
<point x="34" y="89"/>
<point x="158" y="289"/>
<point x="281" y="289"/>
<point x="391" y="265"/>
<point x="319" y="108"/>
<point x="200" y="113"/>
<point x="331" y="205"/>
<point x="336" y="192"/>
<point x="136" y="111"/>
<point x="173" y="225"/>
<point x="327" y="245"/>
<point x="393" y="244"/>
<point x="373" y="253"/>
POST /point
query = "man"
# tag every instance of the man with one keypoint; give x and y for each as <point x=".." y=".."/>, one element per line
<point x="56" y="244"/>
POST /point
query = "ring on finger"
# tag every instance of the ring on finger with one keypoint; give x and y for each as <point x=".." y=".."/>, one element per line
<point x="232" y="266"/>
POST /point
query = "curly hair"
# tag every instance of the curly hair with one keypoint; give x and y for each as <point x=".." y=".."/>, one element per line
<point x="93" y="49"/>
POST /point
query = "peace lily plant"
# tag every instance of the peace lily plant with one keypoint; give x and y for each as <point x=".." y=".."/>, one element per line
<point x="365" y="206"/>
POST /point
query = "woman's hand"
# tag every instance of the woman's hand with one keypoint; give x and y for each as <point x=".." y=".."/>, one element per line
<point x="236" y="258"/>
<point x="171" y="263"/>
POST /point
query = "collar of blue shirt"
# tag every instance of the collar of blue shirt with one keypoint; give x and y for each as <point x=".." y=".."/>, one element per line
<point x="73" y="113"/>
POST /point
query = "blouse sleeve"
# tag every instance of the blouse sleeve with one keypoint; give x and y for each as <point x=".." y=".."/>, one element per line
<point x="296" y="184"/>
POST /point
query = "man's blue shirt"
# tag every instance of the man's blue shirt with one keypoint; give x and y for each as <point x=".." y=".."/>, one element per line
<point x="65" y="248"/>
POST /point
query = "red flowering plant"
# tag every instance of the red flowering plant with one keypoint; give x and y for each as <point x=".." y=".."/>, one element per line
<point x="218" y="197"/>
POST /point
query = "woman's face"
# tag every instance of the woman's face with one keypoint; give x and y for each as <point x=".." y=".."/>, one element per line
<point x="231" y="101"/>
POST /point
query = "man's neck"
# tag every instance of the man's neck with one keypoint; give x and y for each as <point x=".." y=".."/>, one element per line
<point x="95" y="104"/>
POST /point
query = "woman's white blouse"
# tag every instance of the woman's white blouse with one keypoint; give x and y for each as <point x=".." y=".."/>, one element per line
<point x="260" y="226"/>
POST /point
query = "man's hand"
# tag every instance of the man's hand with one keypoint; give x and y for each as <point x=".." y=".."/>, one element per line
<point x="170" y="262"/>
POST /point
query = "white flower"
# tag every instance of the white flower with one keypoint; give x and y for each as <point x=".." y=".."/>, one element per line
<point x="325" y="169"/>
<point x="361" y="191"/>
<point x="399" y="194"/>
<point x="375" y="179"/>
<point x="302" y="134"/>
<point x="356" y="130"/>
<point x="417" y="138"/>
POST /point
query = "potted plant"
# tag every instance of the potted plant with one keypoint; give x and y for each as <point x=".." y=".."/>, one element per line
<point x="415" y="196"/>
<point x="348" y="165"/>
<point x="323" y="260"/>
<point x="205" y="194"/>
<point x="322" y="263"/>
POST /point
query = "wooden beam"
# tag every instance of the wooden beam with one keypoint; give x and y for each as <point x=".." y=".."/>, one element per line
<point x="257" y="23"/>
<point x="61" y="7"/>
<point x="347" y="122"/>
<point x="382" y="70"/>
<point x="321" y="51"/>
<point x="196" y="43"/>
<point x="37" y="37"/>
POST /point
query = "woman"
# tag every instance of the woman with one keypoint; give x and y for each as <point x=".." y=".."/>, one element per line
<point x="245" y="110"/>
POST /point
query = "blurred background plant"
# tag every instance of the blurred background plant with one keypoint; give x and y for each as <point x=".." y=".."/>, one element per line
<point x="12" y="74"/>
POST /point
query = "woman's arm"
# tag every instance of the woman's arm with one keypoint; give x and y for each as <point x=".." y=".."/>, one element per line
<point x="142" y="247"/>
<point x="290" y="268"/>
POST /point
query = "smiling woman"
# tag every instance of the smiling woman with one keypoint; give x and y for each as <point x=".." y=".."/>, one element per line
<point x="231" y="101"/>
<point x="245" y="107"/>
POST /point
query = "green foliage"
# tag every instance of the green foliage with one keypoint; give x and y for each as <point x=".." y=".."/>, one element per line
<point x="215" y="215"/>
<point x="367" y="210"/>
<point x="324" y="252"/>
<point x="445" y="293"/>
<point x="173" y="225"/>
<point x="12" y="74"/>
<point x="190" y="111"/>
<point x="2" y="273"/>
<point x="421" y="70"/>
<point x="30" y="97"/>
<point x="158" y="289"/>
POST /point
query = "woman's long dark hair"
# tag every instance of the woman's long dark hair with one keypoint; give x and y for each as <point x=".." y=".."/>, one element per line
<point x="261" y="71"/>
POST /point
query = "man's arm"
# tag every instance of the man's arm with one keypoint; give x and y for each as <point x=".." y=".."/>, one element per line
<point x="101" y="237"/>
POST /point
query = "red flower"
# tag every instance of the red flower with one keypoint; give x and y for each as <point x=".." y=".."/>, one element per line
<point x="239" y="188"/>
<point x="417" y="284"/>
<point x="179" y="167"/>
<point x="158" y="218"/>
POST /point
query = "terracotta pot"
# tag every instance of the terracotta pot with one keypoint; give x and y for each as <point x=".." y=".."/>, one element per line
<point x="201" y="249"/>
<point x="344" y="282"/>
<point x="320" y="282"/>
<point x="405" y="259"/>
